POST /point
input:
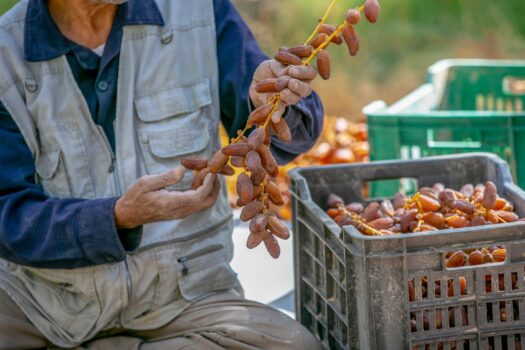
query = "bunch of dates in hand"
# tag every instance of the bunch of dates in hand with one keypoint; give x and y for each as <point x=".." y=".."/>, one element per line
<point x="250" y="150"/>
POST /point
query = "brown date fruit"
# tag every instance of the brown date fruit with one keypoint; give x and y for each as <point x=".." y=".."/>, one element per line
<point x="353" y="16"/>
<point x="258" y="223"/>
<point x="333" y="212"/>
<point x="399" y="200"/>
<point x="253" y="162"/>
<point x="381" y="223"/>
<point x="429" y="192"/>
<point x="334" y="201"/>
<point x="195" y="163"/>
<point x="463" y="206"/>
<point x="257" y="190"/>
<point x="274" y="193"/>
<point x="387" y="207"/>
<point x="272" y="245"/>
<point x="329" y="29"/>
<point x="255" y="238"/>
<point x="446" y="196"/>
<point x="287" y="58"/>
<point x="434" y="219"/>
<point x="478" y="221"/>
<point x="467" y="190"/>
<point x="323" y="64"/>
<point x="499" y="255"/>
<point x="218" y="161"/>
<point x="407" y="218"/>
<point x="372" y="9"/>
<point x="438" y="187"/>
<point x="501" y="203"/>
<point x="371" y="212"/>
<point x="260" y="114"/>
<point x="493" y="217"/>
<point x="456" y="260"/>
<point x="244" y="188"/>
<point x="303" y="51"/>
<point x="475" y="258"/>
<point x="251" y="209"/>
<point x="457" y="221"/>
<point x="237" y="161"/>
<point x="411" y="291"/>
<point x="227" y="170"/>
<point x="319" y="40"/>
<point x="277" y="227"/>
<point x="268" y="161"/>
<point x="266" y="86"/>
<point x="507" y="216"/>
<point x="351" y="39"/>
<point x="237" y="149"/>
<point x="490" y="195"/>
<point x="355" y="208"/>
<point x="428" y="203"/>
<point x="282" y="130"/>
<point x="282" y="83"/>
<point x="257" y="177"/>
<point x="198" y="179"/>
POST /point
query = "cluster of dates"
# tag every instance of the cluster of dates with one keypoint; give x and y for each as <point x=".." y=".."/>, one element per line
<point x="255" y="186"/>
<point x="430" y="209"/>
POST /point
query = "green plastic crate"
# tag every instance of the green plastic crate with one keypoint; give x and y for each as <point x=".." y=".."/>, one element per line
<point x="466" y="106"/>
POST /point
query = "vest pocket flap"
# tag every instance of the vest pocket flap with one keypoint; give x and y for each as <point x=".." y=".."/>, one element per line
<point x="47" y="164"/>
<point x="184" y="140"/>
<point x="181" y="99"/>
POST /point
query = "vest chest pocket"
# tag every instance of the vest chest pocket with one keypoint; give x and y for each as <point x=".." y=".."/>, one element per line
<point x="51" y="174"/>
<point x="173" y="124"/>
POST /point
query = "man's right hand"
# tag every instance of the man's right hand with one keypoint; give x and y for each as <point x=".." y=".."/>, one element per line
<point x="148" y="200"/>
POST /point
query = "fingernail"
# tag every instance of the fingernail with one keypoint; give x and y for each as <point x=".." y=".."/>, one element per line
<point x="294" y="71"/>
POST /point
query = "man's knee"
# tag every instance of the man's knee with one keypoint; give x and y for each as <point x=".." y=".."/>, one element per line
<point x="300" y="338"/>
<point x="16" y="331"/>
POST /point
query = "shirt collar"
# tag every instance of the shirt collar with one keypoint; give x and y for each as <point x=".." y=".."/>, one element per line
<point x="43" y="40"/>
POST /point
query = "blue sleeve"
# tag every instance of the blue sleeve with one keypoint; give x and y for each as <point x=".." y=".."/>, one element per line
<point x="239" y="55"/>
<point x="44" y="232"/>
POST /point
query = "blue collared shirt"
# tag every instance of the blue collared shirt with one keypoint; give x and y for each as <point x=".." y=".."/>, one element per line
<point x="39" y="231"/>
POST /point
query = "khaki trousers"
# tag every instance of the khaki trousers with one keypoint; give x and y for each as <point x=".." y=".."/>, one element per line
<point x="223" y="321"/>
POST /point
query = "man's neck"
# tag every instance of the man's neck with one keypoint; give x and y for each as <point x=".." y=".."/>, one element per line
<point x="84" y="22"/>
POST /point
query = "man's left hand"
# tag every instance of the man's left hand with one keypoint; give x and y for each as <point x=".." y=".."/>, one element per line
<point x="299" y="85"/>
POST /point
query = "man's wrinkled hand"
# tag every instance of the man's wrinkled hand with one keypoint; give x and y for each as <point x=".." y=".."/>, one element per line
<point x="299" y="84"/>
<point x="148" y="199"/>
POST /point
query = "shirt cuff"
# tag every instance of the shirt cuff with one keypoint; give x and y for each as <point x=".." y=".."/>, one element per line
<point x="98" y="234"/>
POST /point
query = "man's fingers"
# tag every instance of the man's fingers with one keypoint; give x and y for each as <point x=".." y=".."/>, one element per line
<point x="207" y="186"/>
<point x="299" y="87"/>
<point x="302" y="72"/>
<point x="289" y="97"/>
<point x="216" y="189"/>
<point x="156" y="182"/>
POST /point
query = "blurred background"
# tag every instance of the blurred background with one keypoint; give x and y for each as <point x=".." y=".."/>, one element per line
<point x="410" y="36"/>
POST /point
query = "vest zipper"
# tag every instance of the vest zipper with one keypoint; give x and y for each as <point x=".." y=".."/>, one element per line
<point x="183" y="260"/>
<point x="113" y="169"/>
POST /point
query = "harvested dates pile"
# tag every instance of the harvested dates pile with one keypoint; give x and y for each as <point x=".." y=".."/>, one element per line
<point x="250" y="150"/>
<point x="431" y="209"/>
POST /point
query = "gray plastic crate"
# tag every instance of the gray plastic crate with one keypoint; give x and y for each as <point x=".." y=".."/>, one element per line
<point x="352" y="290"/>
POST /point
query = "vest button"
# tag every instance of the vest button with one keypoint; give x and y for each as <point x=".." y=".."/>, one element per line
<point x="102" y="85"/>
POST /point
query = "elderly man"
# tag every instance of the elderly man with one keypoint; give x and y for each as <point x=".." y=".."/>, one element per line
<point x="103" y="245"/>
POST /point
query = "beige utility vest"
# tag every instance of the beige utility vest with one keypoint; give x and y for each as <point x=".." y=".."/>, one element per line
<point x="167" y="109"/>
